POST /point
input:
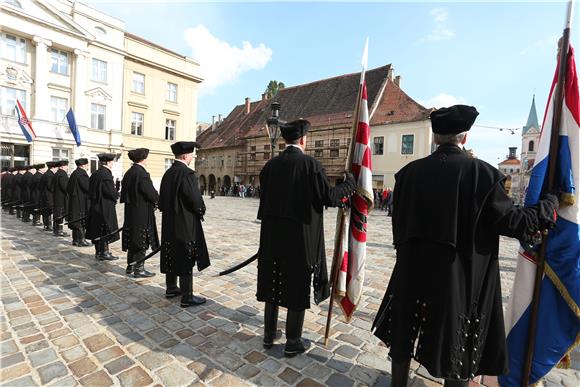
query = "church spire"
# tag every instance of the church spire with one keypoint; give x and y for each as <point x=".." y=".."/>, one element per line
<point x="532" y="118"/>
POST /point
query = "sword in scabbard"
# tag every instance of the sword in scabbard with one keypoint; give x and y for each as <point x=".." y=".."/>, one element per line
<point x="109" y="234"/>
<point x="146" y="257"/>
<point x="240" y="265"/>
<point x="76" y="220"/>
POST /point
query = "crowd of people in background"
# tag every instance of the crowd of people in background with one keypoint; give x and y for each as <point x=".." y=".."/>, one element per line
<point x="384" y="200"/>
<point x="236" y="190"/>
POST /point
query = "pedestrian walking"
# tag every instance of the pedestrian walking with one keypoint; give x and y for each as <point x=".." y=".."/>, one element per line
<point x="182" y="238"/>
<point x="78" y="202"/>
<point x="139" y="227"/>
<point x="443" y="304"/>
<point x="294" y="190"/>
<point x="102" y="220"/>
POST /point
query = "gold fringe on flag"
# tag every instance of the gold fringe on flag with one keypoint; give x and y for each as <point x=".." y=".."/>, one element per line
<point x="567" y="199"/>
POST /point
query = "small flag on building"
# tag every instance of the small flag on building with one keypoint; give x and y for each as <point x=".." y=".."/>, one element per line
<point x="24" y="123"/>
<point x="354" y="239"/>
<point x="72" y="124"/>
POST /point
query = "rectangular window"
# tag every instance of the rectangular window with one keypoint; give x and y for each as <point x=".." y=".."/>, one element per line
<point x="98" y="114"/>
<point x="266" y="147"/>
<point x="253" y="148"/>
<point x="99" y="72"/>
<point x="58" y="61"/>
<point x="139" y="83"/>
<point x="318" y="153"/>
<point x="60" y="154"/>
<point x="252" y="157"/>
<point x="318" y="143"/>
<point x="171" y="92"/>
<point x="334" y="144"/>
<point x="12" y="48"/>
<point x="281" y="146"/>
<point x="170" y="129"/>
<point x="168" y="163"/>
<point x="407" y="144"/>
<point x="266" y="156"/>
<point x="137" y="123"/>
<point x="378" y="143"/>
<point x="8" y="99"/>
<point x="58" y="108"/>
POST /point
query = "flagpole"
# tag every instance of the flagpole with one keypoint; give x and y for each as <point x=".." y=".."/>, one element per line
<point x="552" y="162"/>
<point x="341" y="214"/>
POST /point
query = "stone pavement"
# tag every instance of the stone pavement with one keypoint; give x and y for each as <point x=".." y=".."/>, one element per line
<point x="68" y="320"/>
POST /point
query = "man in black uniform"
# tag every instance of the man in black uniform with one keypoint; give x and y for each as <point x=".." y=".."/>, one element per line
<point x="78" y="202"/>
<point x="443" y="305"/>
<point x="26" y="192"/>
<point x="59" y="212"/>
<point x="35" y="193"/>
<point x="102" y="220"/>
<point x="17" y="190"/>
<point x="7" y="178"/>
<point x="182" y="238"/>
<point x="294" y="192"/>
<point x="139" y="227"/>
<point x="46" y="196"/>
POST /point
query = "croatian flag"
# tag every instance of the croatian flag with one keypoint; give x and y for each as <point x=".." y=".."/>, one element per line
<point x="558" y="329"/>
<point x="24" y="123"/>
<point x="354" y="238"/>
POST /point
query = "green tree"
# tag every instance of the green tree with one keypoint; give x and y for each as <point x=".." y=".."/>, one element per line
<point x="273" y="88"/>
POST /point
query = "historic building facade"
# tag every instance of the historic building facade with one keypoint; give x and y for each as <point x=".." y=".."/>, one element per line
<point x="512" y="168"/>
<point x="58" y="55"/>
<point x="236" y="149"/>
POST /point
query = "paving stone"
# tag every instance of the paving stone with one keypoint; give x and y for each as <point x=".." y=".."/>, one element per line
<point x="347" y="351"/>
<point x="339" y="380"/>
<point x="41" y="357"/>
<point x="14" y="372"/>
<point x="205" y="369"/>
<point x="175" y="375"/>
<point x="374" y="362"/>
<point x="154" y="360"/>
<point x="364" y="375"/>
<point x="65" y="342"/>
<point x="184" y="333"/>
<point x="51" y="371"/>
<point x="97" y="342"/>
<point x="82" y="367"/>
<point x="37" y="346"/>
<point x="307" y="382"/>
<point x="8" y="347"/>
<point x="247" y="371"/>
<point x="225" y="380"/>
<point x="135" y="376"/>
<point x="119" y="365"/>
<point x="270" y="365"/>
<point x="317" y="371"/>
<point x="26" y="381"/>
<point x="289" y="375"/>
<point x="69" y="381"/>
<point x="10" y="360"/>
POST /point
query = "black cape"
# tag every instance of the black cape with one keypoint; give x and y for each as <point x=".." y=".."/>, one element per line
<point x="35" y="189"/>
<point x="25" y="187"/>
<point x="59" y="185"/>
<point x="103" y="197"/>
<point x="443" y="304"/>
<point x="46" y="197"/>
<point x="140" y="198"/>
<point x="78" y="198"/>
<point x="16" y="188"/>
<point x="294" y="191"/>
<point x="7" y="181"/>
<point x="182" y="238"/>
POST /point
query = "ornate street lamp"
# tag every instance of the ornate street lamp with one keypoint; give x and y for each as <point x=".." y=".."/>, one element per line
<point x="273" y="127"/>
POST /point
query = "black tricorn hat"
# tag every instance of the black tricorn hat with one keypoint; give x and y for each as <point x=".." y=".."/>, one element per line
<point x="11" y="169"/>
<point x="51" y="164"/>
<point x="81" y="161"/>
<point x="453" y="120"/>
<point x="40" y="166"/>
<point x="295" y="129"/>
<point x="139" y="154"/>
<point x="183" y="147"/>
<point x="62" y="163"/>
<point x="106" y="157"/>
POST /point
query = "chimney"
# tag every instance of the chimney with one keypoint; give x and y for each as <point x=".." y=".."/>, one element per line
<point x="219" y="121"/>
<point x="247" y="105"/>
<point x="212" y="122"/>
<point x="390" y="73"/>
<point x="264" y="96"/>
<point x="398" y="80"/>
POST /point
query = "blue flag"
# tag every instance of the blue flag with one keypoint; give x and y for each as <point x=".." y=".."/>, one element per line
<point x="72" y="124"/>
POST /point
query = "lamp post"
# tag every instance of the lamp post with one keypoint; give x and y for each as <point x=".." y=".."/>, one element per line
<point x="273" y="127"/>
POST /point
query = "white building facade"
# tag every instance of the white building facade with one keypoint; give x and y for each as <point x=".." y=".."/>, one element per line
<point x="55" y="56"/>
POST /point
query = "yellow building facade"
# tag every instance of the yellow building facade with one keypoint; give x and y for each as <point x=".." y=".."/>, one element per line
<point x="159" y="102"/>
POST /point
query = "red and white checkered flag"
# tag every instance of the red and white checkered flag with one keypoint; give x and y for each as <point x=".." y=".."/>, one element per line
<point x="354" y="238"/>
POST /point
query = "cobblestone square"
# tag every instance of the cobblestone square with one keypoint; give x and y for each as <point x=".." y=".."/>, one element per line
<point x="70" y="320"/>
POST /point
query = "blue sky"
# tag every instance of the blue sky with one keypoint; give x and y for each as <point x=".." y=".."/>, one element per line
<point x="492" y="55"/>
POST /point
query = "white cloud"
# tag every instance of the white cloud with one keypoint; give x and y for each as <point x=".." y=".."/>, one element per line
<point x="220" y="62"/>
<point x="441" y="31"/>
<point x="442" y="100"/>
<point x="549" y="42"/>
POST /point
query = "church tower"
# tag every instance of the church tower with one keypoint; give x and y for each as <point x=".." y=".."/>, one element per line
<point x="530" y="138"/>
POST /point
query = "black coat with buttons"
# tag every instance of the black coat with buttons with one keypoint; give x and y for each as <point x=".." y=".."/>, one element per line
<point x="45" y="188"/>
<point x="140" y="199"/>
<point x="78" y="198"/>
<point x="443" y="305"/>
<point x="294" y="192"/>
<point x="59" y="184"/>
<point x="102" y="219"/>
<point x="182" y="207"/>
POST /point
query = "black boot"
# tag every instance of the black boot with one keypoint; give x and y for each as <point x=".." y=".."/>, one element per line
<point x="18" y="213"/>
<point x="129" y="268"/>
<point x="400" y="373"/>
<point x="187" y="297"/>
<point x="47" y="222"/>
<point x="107" y="253"/>
<point x="294" y="324"/>
<point x="82" y="242"/>
<point x="99" y="250"/>
<point x="11" y="211"/>
<point x="36" y="220"/>
<point x="75" y="237"/>
<point x="171" y="289"/>
<point x="270" y="324"/>
<point x="25" y="216"/>
<point x="139" y="271"/>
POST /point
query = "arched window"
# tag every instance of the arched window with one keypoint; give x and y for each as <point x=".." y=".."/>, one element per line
<point x="531" y="146"/>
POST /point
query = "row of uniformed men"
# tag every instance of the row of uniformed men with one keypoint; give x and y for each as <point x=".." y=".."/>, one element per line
<point x="89" y="207"/>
